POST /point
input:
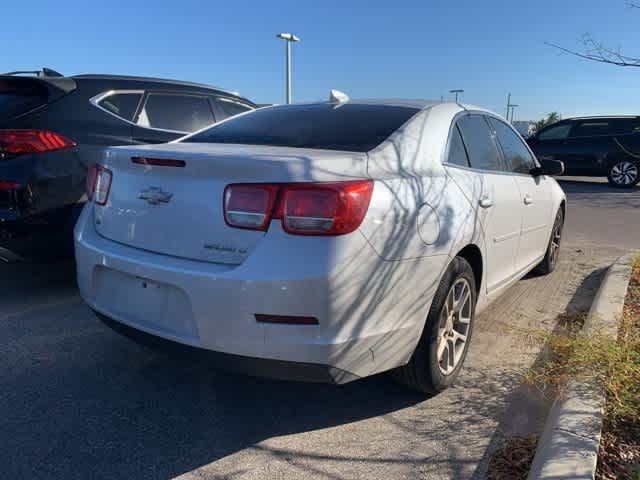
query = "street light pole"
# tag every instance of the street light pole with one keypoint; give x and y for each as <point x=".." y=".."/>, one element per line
<point x="513" y="111"/>
<point x="288" y="38"/>
<point x="456" y="91"/>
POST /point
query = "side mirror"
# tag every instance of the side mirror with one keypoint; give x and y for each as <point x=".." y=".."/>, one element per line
<point x="548" y="166"/>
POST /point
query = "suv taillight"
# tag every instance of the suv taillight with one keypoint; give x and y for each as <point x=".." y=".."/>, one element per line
<point x="16" y="142"/>
<point x="99" y="184"/>
<point x="332" y="208"/>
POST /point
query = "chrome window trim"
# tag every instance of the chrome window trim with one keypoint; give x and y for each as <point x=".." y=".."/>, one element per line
<point x="462" y="113"/>
<point x="95" y="101"/>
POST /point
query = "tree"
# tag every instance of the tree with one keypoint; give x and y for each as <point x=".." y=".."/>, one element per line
<point x="551" y="118"/>
<point x="596" y="51"/>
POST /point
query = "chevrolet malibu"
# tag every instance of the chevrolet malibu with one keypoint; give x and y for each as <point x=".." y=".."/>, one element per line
<point x="320" y="242"/>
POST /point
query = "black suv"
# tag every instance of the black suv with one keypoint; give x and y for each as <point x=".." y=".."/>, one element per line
<point x="53" y="127"/>
<point x="594" y="146"/>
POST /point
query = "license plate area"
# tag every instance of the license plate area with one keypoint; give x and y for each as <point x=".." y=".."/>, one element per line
<point x="154" y="305"/>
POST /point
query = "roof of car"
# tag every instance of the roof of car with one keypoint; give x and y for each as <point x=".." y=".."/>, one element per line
<point x="111" y="77"/>
<point x="601" y="117"/>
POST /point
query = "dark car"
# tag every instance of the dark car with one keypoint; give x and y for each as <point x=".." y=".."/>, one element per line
<point x="52" y="128"/>
<point x="594" y="146"/>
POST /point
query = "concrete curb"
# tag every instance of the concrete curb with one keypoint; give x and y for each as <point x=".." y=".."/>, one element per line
<point x="568" y="446"/>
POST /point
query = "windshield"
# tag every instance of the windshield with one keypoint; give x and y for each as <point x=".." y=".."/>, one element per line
<point x="350" y="127"/>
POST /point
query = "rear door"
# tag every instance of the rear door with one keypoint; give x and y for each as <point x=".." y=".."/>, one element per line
<point x="166" y="116"/>
<point x="587" y="146"/>
<point x="499" y="201"/>
<point x="535" y="195"/>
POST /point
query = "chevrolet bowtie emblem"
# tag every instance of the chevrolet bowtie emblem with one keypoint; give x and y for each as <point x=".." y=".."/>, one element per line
<point x="155" y="195"/>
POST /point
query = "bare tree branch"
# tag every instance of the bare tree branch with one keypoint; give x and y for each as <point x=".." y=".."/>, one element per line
<point x="598" y="52"/>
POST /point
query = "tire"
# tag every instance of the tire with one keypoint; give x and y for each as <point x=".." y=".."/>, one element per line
<point x="624" y="173"/>
<point x="550" y="260"/>
<point x="425" y="372"/>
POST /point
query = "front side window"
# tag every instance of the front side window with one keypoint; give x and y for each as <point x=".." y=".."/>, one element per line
<point x="123" y="105"/>
<point x="482" y="149"/>
<point x="229" y="108"/>
<point x="516" y="154"/>
<point x="457" y="151"/>
<point x="175" y="112"/>
<point x="350" y="127"/>
<point x="558" y="132"/>
<point x="591" y="129"/>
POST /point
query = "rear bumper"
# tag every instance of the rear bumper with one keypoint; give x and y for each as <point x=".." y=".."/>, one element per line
<point x="213" y="306"/>
<point x="257" y="367"/>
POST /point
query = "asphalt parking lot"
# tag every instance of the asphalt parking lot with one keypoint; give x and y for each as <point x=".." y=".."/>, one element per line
<point x="78" y="401"/>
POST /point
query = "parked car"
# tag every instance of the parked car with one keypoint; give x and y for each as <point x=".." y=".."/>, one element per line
<point x="320" y="242"/>
<point x="52" y="127"/>
<point x="594" y="146"/>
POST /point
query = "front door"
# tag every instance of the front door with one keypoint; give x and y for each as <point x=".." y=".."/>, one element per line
<point x="534" y="195"/>
<point x="499" y="200"/>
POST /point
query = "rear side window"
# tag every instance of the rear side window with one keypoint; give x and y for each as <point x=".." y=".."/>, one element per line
<point x="229" y="108"/>
<point x="457" y="152"/>
<point x="350" y="127"/>
<point x="123" y="105"/>
<point x="18" y="96"/>
<point x="483" y="152"/>
<point x="175" y="112"/>
<point x="516" y="154"/>
<point x="591" y="128"/>
<point x="558" y="132"/>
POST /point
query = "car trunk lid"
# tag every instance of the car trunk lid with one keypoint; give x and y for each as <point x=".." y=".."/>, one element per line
<point x="176" y="207"/>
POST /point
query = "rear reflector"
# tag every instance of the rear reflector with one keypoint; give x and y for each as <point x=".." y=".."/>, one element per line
<point x="288" y="320"/>
<point x="331" y="208"/>
<point x="160" y="162"/>
<point x="99" y="184"/>
<point x="14" y="142"/>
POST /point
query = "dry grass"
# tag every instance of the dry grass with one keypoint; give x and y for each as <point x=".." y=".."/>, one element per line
<point x="613" y="364"/>
<point x="512" y="459"/>
<point x="619" y="456"/>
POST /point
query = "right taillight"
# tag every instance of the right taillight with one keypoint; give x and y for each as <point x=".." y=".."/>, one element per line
<point x="99" y="184"/>
<point x="331" y="208"/>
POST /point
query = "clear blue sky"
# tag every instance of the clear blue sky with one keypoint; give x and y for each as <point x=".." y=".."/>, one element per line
<point x="418" y="48"/>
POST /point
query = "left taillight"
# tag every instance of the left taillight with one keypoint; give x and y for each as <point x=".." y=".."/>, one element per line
<point x="16" y="142"/>
<point x="314" y="208"/>
<point x="99" y="184"/>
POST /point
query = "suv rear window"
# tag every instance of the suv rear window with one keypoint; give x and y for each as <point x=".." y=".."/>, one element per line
<point x="349" y="127"/>
<point x="19" y="95"/>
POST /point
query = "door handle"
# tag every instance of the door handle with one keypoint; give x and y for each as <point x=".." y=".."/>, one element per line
<point x="486" y="202"/>
<point x="527" y="199"/>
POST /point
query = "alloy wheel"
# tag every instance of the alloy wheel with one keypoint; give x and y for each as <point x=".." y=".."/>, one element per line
<point x="453" y="330"/>
<point x="624" y="173"/>
<point x="556" y="237"/>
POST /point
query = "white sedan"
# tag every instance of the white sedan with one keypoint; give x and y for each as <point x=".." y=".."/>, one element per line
<point x="320" y="242"/>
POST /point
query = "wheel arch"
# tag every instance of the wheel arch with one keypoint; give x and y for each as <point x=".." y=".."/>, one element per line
<point x="472" y="254"/>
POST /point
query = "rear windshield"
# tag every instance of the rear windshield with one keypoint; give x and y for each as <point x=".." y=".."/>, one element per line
<point x="350" y="127"/>
<point x="18" y="96"/>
